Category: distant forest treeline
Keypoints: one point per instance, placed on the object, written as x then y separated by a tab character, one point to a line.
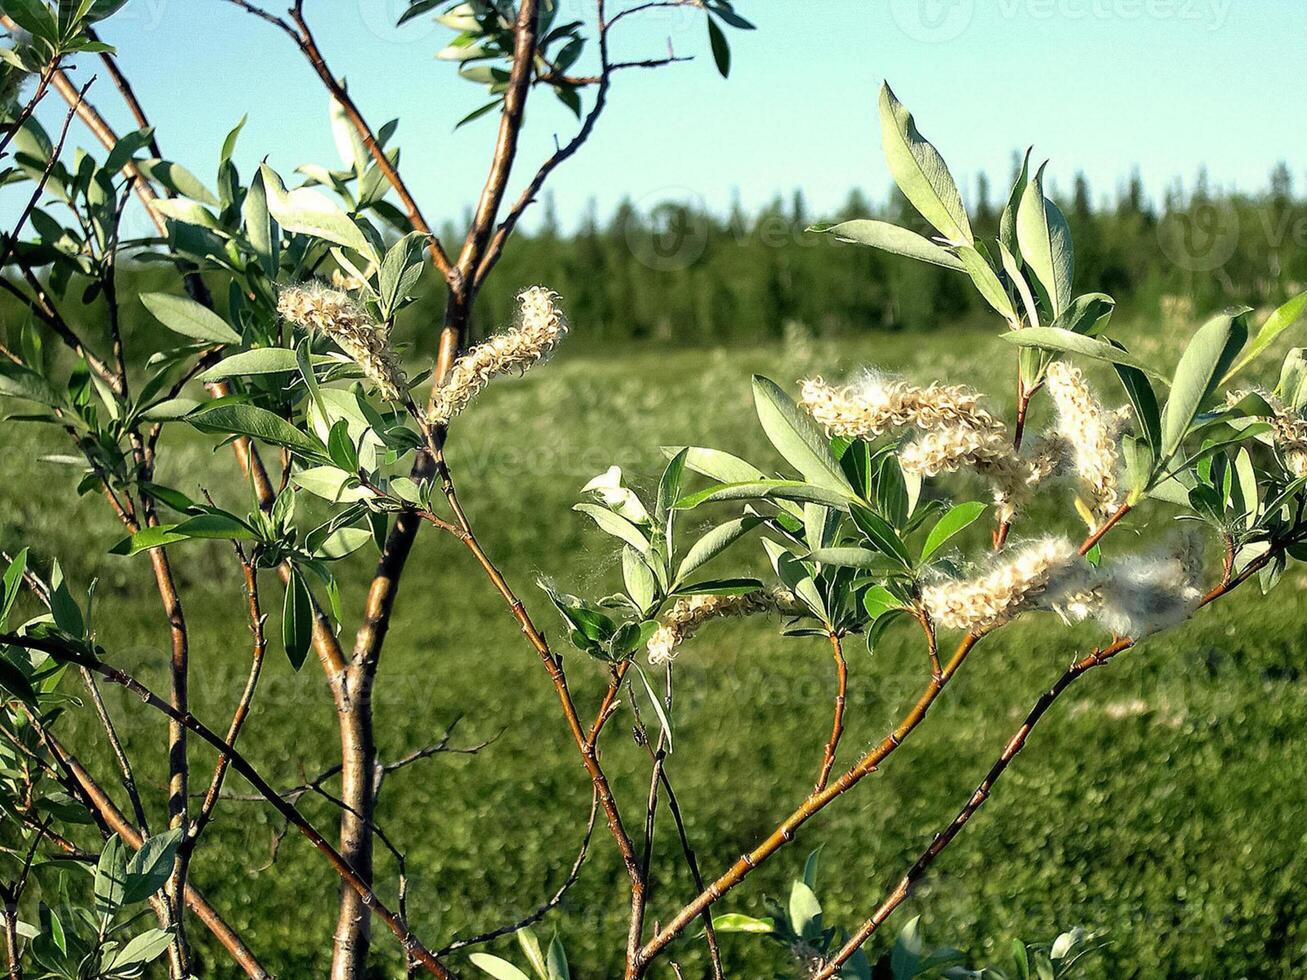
688	275
682	273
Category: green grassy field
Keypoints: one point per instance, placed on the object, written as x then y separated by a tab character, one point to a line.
1161	802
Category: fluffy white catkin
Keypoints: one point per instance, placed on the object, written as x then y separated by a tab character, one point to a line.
1090	434
332	313
872	406
1288	432
995	597
540	326
988	451
685	617
1138	595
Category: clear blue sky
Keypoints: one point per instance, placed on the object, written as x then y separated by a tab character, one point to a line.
1098	85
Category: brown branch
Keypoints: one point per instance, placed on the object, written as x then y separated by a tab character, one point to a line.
117	823
287	810
260	647
1010	750
540	911
474	249
811	805
837	725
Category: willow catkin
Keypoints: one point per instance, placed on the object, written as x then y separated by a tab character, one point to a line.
1090	434
364	341
872	406
1140	595
988	451
688	614
540	326
997	596
1288	431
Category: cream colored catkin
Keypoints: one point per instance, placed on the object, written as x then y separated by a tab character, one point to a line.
1139	595
988	451
872	406
1014	584
364	340
540	326
1288	431
688	614
1090	433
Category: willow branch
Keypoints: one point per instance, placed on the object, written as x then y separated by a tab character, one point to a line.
1014	745
92	661
837	724
541	910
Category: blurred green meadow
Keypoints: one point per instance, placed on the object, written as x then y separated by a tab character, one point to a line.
1161	803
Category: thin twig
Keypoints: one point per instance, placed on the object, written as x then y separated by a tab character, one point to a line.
550	903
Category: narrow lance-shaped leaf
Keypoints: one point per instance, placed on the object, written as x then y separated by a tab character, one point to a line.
1278	322
796	436
297	620
890	238
1204	362
188	318
920	171
1057	339
1045	242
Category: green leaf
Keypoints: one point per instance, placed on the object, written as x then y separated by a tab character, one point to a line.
796	436
67	615
656	703
297	620
739	922
847	557
138	951
882	535
987	283
795	575
342	542
805	911
260	229
669	486
1007	226
150	537
957	519
1045	242
920	171
618	527
891	238
720	586
188	318
879	600
128	145
1144	402
1057	339
638	578
535	956
177	179
149	867
778	490
716	465
496	967
721	49
1278	322
110	878
305	211
12	584
714	542
261	360
257	423
1204	362
1085	313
